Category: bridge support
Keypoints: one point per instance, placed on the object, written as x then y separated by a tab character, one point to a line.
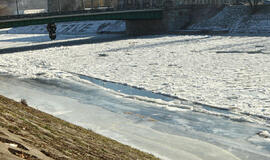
144	27
172	20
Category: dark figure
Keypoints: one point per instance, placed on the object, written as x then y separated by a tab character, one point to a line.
51	27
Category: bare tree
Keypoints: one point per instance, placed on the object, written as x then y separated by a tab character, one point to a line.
253	3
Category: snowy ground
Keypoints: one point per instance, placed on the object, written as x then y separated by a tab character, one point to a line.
230	72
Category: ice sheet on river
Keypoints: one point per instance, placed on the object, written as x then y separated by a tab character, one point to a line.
167	134
230	72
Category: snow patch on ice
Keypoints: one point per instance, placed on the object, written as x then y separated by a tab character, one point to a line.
264	134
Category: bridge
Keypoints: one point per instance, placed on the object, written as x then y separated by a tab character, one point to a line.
46	18
141	16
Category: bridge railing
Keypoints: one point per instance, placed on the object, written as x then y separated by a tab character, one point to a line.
21	7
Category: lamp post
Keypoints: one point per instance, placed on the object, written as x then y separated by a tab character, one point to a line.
17	7
59	6
83	4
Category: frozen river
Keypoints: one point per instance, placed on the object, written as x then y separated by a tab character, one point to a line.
226	72
195	97
151	127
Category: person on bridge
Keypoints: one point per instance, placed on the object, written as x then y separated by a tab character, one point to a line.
51	27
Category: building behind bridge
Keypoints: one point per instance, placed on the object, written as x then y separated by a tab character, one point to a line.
11	7
7	7
65	5
69	5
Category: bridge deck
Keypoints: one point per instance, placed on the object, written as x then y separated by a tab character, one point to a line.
45	18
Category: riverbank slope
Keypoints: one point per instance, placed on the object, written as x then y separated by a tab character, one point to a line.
26	133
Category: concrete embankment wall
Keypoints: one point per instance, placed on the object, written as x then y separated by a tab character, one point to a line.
225	19
237	19
258	22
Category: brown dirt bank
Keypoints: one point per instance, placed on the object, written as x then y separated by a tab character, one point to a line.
27	133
